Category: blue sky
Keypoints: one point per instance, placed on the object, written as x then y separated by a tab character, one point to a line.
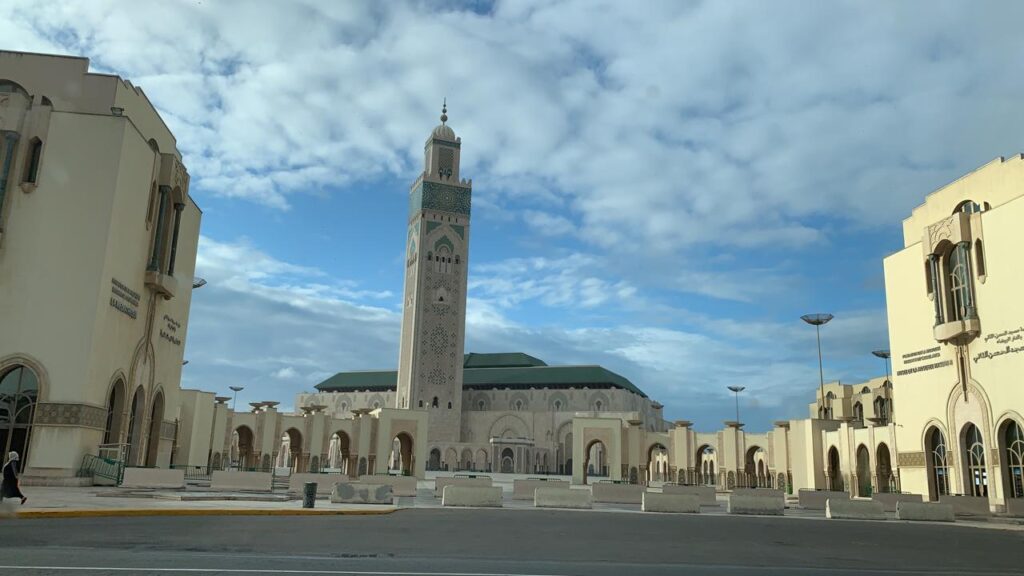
662	188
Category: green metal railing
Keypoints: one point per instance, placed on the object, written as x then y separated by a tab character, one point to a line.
103	467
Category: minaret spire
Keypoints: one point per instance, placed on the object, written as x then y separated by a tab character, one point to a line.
444	111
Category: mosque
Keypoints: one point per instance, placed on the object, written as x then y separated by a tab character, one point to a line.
93	188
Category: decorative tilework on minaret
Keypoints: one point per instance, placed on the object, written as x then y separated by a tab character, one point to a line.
436	266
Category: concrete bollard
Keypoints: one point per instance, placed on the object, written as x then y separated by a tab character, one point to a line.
618	493
524	489
358	493
673	503
925	512
846	509
747	503
557	497
309	495
441	481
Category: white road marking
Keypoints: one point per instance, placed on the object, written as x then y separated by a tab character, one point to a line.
258	571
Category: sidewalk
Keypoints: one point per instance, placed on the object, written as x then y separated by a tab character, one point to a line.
104	501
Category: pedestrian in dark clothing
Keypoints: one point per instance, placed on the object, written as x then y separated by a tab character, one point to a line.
10	488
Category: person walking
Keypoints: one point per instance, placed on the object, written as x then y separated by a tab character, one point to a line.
10	488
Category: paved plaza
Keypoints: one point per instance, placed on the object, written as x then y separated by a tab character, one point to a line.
511	542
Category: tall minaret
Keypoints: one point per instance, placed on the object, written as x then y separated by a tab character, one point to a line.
436	265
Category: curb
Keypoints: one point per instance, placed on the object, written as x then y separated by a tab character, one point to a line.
142	512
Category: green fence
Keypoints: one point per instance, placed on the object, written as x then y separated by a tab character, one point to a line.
103	467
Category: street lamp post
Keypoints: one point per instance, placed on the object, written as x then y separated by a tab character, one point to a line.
884	355
817	320
737	390
236	390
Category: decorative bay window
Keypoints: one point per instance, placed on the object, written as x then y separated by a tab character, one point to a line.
949	279
170	203
959	293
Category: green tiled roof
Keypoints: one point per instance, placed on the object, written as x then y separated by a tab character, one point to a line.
503	360
489	371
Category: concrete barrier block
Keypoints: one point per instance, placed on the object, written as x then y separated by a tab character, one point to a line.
358	493
153	478
815	499
559	497
760	492
967	505
480	496
442	481
890	500
676	503
324	482
756	505
846	509
924	511
618	493
706	494
242	481
400	485
524	489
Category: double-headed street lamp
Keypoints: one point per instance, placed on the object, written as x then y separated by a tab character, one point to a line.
236	390
817	320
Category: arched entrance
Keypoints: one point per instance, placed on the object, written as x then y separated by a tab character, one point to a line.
937	460
835	473
750	476
434	462
466	462
19	392
976	473
134	423
883	470
508	461
657	462
706	461
1012	449
156	419
244	445
594	464
115	413
481	461
863	471
403	459
340	452
296	459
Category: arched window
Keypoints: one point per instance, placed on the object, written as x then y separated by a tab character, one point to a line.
480	405
938	464
979	258
449	405
1013	442
558	405
19	392
858	411
376	405
598	406
35	152
865	390
421	403
433	404
959	304
519	405
974	457
456	259
882	410
968	207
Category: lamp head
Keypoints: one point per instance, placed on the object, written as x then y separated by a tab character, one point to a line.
737	389
882	353
237	388
816	319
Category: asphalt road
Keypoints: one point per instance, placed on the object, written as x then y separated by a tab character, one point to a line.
508	542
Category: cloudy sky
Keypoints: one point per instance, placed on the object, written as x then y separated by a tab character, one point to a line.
662	188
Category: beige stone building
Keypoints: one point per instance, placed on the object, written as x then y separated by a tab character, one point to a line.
98	241
956	328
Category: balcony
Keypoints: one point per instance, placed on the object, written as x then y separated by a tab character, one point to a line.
957	331
162	284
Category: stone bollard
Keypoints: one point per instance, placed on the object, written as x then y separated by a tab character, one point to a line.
309	494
